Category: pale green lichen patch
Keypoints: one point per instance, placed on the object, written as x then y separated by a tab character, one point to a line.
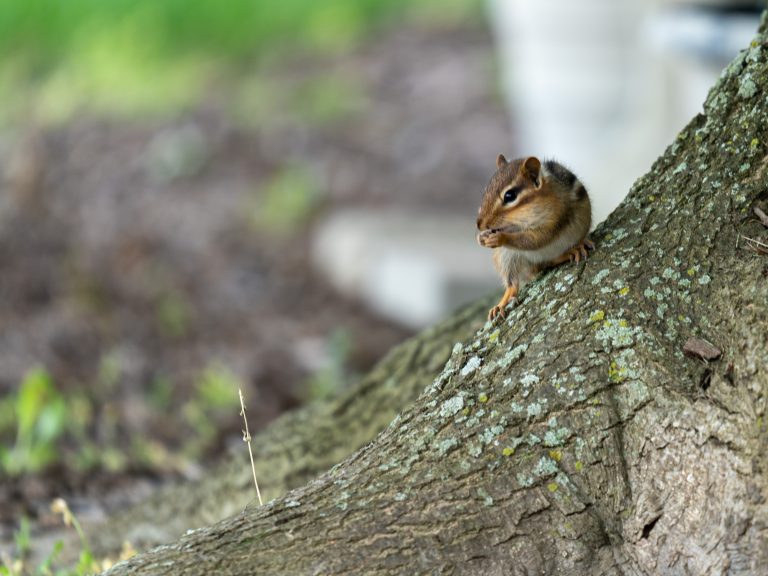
575	372
624	366
529	380
545	467
490	434
400	496
475	449
747	87
556	437
513	355
617	333
616	373
682	167
552	422
446	445
600	276
451	406
487	500
524	480
617	235
532	440
596	316
636	393
471	365
534	409
670	274
704	279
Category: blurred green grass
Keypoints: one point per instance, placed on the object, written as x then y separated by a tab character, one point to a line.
150	56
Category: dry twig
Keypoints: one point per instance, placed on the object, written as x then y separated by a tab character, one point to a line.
247	440
756	245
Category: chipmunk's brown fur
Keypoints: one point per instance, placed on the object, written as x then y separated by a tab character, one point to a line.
534	216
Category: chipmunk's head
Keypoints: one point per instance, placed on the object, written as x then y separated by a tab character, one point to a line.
509	200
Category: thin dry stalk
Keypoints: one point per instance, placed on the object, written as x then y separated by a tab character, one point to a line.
756	245
247	440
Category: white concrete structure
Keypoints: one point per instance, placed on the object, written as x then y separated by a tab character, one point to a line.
412	268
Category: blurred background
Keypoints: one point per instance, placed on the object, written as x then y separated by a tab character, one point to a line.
198	195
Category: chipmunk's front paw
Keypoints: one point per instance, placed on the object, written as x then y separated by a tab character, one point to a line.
489	238
500	310
580	251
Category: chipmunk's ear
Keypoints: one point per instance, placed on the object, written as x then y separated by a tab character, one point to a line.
500	161
531	169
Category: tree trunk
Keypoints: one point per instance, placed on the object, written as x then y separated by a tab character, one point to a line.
575	437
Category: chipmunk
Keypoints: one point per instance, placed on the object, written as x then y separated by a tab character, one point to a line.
534	215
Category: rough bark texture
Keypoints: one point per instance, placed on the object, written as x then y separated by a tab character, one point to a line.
575	437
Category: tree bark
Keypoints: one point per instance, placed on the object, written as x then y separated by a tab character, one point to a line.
575	437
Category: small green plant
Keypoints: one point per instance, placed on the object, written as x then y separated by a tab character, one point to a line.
172	314
333	377
215	393
155	57
285	202
19	565
40	417
86	563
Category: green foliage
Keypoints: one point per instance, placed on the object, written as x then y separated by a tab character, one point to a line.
23	537
43	421
46	30
172	314
333	377
285	202
217	388
19	566
40	417
154	56
215	398
51	427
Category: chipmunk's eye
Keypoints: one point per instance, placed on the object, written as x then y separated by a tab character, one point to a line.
511	195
